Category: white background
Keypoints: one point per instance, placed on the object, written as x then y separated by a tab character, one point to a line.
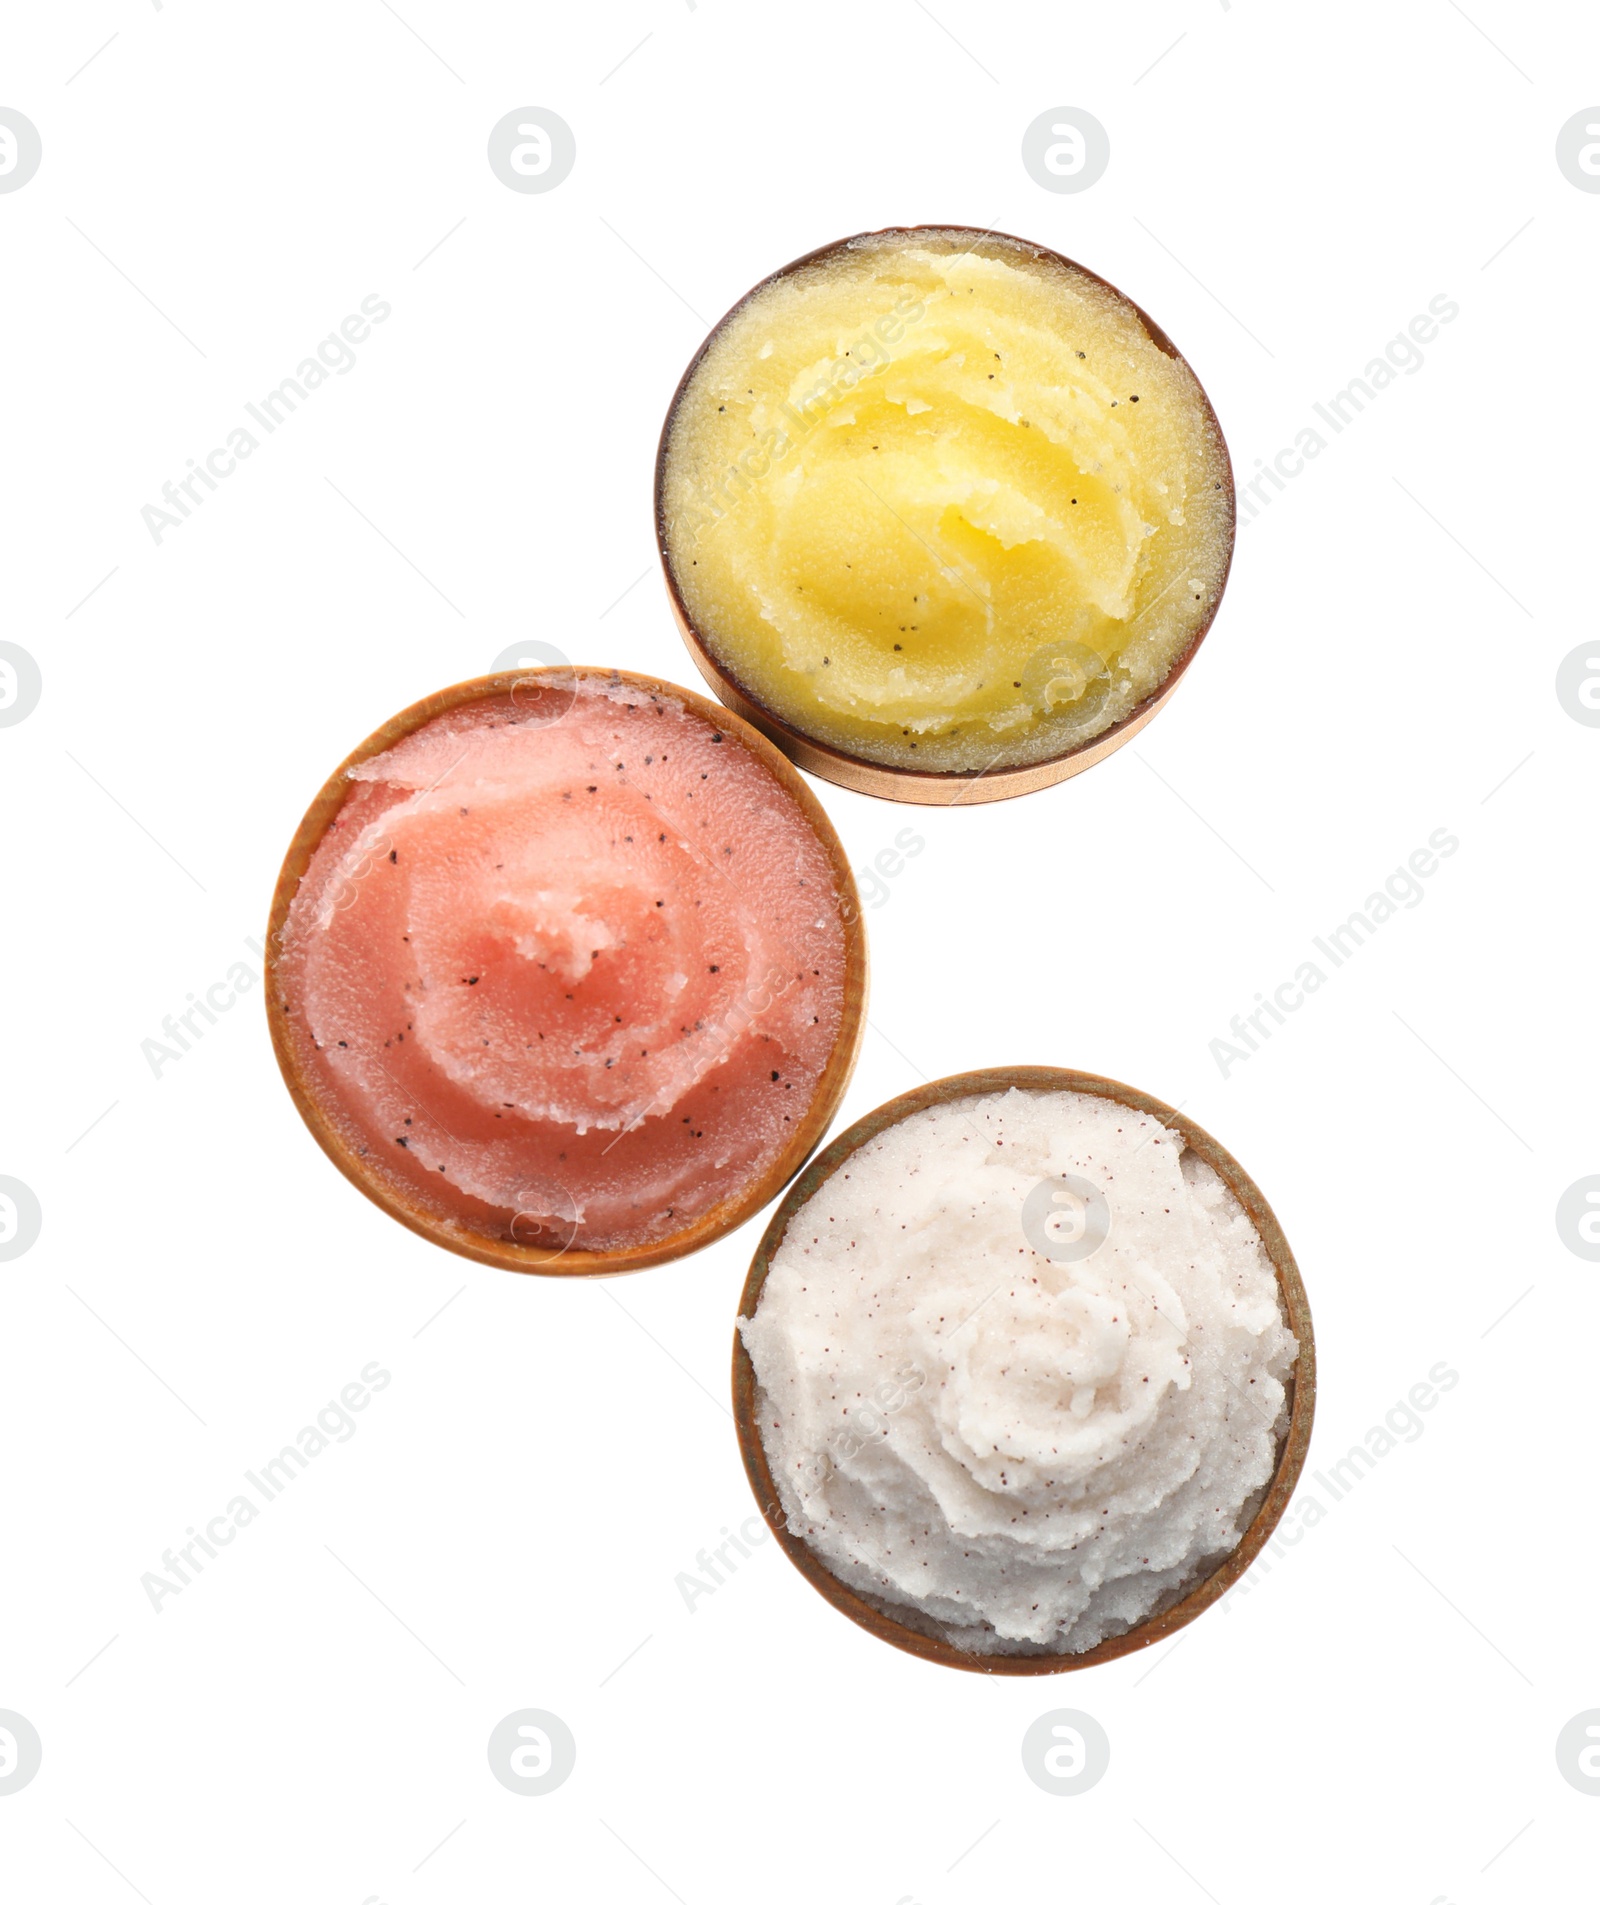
1377	1715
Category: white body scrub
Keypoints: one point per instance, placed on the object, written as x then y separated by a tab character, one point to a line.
993	1434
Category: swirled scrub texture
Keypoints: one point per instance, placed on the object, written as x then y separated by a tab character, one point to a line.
567	967
939	501
1024	1449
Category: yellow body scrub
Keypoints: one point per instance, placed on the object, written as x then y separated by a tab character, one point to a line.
943	502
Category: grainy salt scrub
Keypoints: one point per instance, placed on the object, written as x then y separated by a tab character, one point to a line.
941	501
986	1440
567	967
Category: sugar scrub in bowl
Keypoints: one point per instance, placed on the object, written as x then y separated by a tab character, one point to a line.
1024	1371
566	970
945	514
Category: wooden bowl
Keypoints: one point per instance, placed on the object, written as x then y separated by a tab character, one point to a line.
1300	1386
914	785
507	1253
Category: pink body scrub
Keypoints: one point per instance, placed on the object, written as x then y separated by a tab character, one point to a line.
568	967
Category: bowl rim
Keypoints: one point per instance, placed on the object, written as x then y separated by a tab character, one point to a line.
506	1253
884	780
1300	1386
